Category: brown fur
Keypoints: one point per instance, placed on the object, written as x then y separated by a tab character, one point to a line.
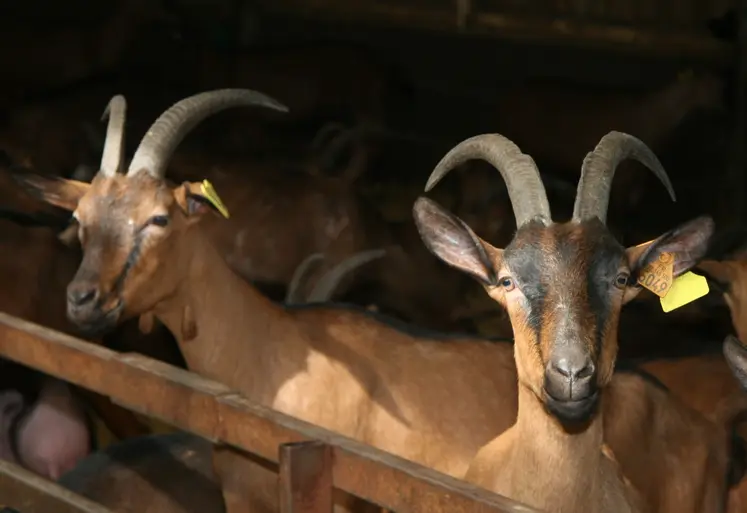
579	476
380	385
34	270
707	384
563	286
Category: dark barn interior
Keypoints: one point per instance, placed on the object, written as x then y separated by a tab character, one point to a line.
377	92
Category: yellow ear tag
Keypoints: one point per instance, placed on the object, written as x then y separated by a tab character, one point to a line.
685	289
209	192
657	276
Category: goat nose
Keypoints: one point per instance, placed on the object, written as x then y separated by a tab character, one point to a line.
80	295
574	368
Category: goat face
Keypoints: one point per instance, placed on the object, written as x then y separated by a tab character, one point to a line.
560	284
129	228
563	285
133	227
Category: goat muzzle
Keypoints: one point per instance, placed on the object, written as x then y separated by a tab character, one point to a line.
570	387
87	310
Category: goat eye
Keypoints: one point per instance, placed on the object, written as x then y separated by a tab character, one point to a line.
507	283
159	221
622	280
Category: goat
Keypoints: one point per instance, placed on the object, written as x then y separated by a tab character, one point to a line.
126	476
33	265
276	220
345	369
717	395
563	286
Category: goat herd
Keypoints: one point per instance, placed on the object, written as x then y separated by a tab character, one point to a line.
546	420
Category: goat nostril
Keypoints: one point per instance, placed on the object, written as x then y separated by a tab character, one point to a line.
573	370
80	297
586	372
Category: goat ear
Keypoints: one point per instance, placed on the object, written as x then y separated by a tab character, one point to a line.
193	201
451	240
60	192
736	357
687	243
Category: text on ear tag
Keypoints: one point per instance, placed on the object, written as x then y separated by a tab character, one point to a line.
209	193
658	276
685	289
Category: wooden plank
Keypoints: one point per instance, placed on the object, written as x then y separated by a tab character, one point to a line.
212	410
305	478
625	38
29	493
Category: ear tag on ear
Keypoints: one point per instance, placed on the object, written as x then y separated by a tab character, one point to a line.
685	289
209	192
658	276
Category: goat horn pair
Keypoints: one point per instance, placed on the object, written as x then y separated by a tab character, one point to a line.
598	171
523	182
165	134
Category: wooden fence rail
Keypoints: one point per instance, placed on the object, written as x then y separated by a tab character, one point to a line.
308	470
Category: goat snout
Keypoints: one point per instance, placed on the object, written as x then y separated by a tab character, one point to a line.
570	386
81	294
86	309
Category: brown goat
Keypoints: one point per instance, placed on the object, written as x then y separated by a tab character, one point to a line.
717	395
32	266
342	368
563	286
128	476
279	216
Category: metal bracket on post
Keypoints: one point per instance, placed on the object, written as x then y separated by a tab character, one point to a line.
305	484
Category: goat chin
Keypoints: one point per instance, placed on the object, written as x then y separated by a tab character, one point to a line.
573	412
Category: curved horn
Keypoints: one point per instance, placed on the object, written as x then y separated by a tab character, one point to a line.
112	158
165	134
523	182
327	284
293	294
598	170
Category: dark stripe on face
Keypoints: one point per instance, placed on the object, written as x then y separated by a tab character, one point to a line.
132	259
525	257
606	257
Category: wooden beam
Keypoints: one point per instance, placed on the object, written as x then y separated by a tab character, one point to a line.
212	410
651	41
28	493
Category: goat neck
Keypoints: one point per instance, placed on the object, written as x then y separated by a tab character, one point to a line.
195	314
